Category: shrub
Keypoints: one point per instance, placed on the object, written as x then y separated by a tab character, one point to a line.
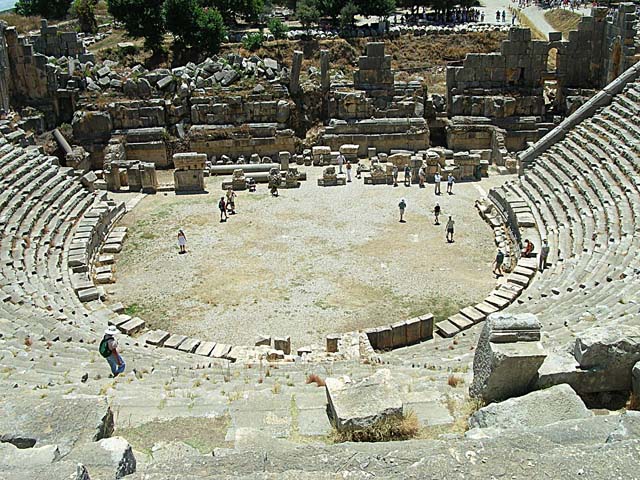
390	429
454	381
211	30
141	19
277	28
348	15
307	12
253	41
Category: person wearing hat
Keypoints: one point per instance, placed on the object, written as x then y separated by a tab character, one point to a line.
109	350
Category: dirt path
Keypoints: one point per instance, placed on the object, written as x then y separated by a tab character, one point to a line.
311	262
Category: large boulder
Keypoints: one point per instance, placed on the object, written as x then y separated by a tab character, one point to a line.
535	409
507	357
91	127
360	405
609	354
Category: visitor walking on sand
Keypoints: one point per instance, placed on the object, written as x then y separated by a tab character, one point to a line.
222	205
422	176
450	181
182	241
109	350
348	167
395	175
402	206
340	162
544	254
437	178
407	176
436	213
450	225
497	269
231	201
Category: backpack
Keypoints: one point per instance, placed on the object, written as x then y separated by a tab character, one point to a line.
104	347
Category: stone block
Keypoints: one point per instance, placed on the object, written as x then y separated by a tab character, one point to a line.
357	406
132	326
205	348
174	341
220	350
399	334
385	338
413	331
189	345
188	181
157	337
611	353
426	327
536	409
282	343
502	370
263	340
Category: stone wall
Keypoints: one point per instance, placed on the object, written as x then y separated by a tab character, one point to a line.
4	70
236	110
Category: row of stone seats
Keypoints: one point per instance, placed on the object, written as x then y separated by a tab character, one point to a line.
585	195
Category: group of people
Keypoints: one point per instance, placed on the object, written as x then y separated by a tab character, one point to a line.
437	210
528	251
342	162
422	179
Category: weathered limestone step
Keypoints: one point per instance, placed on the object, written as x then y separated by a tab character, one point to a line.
460	321
497	301
189	345
132	326
205	349
220	350
473	314
174	341
486	308
157	337
518	279
446	329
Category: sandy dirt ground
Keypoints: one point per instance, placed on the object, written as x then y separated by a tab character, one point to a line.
311	262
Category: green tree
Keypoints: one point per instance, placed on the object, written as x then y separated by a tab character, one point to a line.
211	30
348	15
277	28
141	19
381	8
44	8
230	9
307	12
181	19
85	11
330	8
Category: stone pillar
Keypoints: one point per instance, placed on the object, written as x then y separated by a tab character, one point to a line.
324	70
296	67
149	177
284	160
189	176
134	178
4	70
112	177
508	356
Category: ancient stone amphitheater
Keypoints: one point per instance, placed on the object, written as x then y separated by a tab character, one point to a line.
554	354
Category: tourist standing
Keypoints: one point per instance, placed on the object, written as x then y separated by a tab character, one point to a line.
182	241
340	162
436	213
222	205
231	201
422	176
348	167
436	180
497	270
395	175
407	176
450	225
402	206
109	350
450	181
359	171
544	254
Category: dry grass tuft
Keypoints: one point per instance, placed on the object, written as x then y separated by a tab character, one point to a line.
454	381
317	379
28	341
22	24
634	402
403	428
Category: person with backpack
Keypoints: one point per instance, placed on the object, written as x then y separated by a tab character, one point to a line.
497	270
222	205
402	205
109	350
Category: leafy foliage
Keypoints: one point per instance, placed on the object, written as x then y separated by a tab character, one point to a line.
229	9
45	8
253	41
348	15
85	11
277	28
307	12
141	18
